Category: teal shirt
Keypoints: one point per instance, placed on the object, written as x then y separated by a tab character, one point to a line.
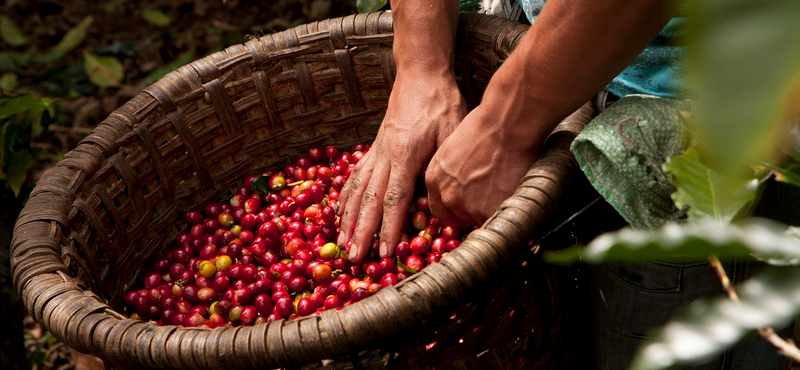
658	70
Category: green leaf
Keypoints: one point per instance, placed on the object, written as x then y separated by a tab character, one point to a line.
17	169
708	327
404	267
156	17
689	242
103	71
71	40
16	61
11	33
706	193
21	104
366	6
744	65
8	81
260	184
4	146
184	58
789	175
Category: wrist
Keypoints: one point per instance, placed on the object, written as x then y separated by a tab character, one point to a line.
423	63
520	116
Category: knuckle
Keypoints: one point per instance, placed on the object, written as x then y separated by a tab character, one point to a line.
370	197
355	182
394	196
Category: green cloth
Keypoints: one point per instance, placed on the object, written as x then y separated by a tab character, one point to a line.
622	151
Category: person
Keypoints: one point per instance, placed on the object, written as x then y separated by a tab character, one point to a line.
475	160
572	51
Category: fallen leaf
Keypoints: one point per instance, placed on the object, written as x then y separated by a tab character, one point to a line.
104	71
11	33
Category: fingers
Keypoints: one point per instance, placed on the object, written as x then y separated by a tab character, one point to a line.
398	196
446	215
369	215
351	194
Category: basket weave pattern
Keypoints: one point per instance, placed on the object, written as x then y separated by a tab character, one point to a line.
113	205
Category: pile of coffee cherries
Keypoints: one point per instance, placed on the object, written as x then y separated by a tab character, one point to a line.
268	253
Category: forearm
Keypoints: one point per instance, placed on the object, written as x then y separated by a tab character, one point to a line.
424	36
573	50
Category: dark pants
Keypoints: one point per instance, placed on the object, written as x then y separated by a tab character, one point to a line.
627	301
622	303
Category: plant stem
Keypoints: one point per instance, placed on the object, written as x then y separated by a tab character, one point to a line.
723	278
786	348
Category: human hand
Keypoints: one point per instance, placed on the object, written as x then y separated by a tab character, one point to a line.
421	113
467	182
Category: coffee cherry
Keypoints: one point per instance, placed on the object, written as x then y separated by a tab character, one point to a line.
284	307
221	283
331	302
419	245
207	269
206	295
263	304
131	297
433	258
322	274
439	246
402	250
305	307
235	313
452	244
387	265
415	262
194	217
153	280
389	279
193	320
248	315
298	284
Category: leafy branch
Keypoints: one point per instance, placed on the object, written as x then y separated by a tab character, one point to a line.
742	117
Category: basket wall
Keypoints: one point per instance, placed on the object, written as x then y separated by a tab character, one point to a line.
114	204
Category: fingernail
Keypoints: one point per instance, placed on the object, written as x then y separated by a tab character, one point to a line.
384	249
341	239
353	251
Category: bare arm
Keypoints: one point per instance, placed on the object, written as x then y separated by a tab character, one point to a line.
424	108
572	51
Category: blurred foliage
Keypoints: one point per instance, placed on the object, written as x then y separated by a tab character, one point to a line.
366	6
745	73
23	118
10	32
70	41
103	71
706	193
744	60
470	5
156	17
66	65
707	326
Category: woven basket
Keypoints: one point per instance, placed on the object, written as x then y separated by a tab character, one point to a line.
104	214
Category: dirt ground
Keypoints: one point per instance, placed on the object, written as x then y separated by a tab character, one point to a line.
148	38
